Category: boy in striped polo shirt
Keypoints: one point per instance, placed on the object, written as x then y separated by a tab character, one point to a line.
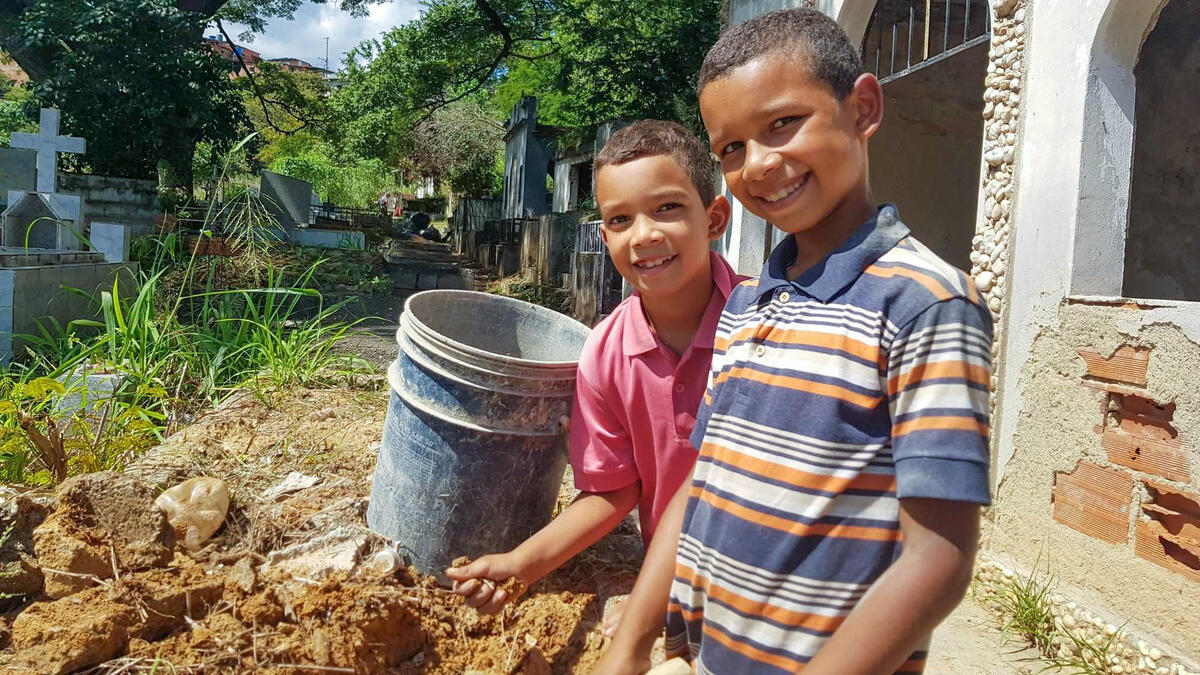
832	518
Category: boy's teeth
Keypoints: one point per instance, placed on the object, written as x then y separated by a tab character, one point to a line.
656	263
776	196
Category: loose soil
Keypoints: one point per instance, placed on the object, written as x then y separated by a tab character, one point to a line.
219	609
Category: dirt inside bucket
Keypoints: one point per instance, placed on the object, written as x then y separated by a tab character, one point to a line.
242	603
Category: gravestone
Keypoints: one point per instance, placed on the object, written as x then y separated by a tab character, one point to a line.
54	218
289	199
41	250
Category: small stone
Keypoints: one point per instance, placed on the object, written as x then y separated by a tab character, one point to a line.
1155	654
994	305
984	281
1110	629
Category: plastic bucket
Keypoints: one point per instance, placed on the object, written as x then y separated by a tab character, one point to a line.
474	445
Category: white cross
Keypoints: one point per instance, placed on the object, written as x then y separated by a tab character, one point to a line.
48	144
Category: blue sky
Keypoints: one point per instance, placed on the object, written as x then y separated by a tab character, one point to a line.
304	36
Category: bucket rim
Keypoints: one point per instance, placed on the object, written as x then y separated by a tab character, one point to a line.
406	332
475	351
393	376
424	362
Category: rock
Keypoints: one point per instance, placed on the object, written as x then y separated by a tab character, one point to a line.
69	563
984	281
322	415
333	552
19	570
293	482
99	516
345	511
242	575
89	628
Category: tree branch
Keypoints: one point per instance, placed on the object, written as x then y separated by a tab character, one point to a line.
258	94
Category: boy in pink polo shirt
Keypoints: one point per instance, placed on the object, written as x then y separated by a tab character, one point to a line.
643	369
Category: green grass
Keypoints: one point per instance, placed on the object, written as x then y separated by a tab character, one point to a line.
180	342
1027	610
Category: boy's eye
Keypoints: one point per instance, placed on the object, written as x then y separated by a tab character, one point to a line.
668	206
618	220
782	122
731	148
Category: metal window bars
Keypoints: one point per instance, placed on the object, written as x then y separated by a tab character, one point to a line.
902	36
588	239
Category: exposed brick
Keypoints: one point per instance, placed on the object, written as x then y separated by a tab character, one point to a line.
1168	533
1161	458
1095	501
1127	364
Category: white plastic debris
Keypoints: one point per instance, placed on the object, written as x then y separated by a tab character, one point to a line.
293	482
196	508
383	563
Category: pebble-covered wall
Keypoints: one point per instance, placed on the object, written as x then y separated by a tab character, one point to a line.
1001	113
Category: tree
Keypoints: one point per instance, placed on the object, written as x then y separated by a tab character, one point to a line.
632	60
459	144
39	63
124	83
177	74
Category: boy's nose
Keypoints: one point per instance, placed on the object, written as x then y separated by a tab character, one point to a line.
646	232
760	161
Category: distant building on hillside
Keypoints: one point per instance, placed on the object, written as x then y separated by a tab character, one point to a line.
10	69
223	49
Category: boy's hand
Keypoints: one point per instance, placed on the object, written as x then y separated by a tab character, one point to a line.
477	581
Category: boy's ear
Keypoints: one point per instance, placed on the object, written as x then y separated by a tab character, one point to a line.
867	100
718	217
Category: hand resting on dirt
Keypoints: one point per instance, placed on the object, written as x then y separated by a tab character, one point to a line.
591	516
480	581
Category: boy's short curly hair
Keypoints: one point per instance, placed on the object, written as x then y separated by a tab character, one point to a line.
805	35
647	138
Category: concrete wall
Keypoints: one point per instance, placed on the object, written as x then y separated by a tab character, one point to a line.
1097	397
313	236
527	162
926	155
30	294
128	201
1164	241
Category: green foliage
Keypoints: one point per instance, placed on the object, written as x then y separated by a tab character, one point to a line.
16	110
127	78
1026	606
346	182
618	60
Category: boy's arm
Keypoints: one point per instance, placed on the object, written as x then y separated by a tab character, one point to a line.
591	516
913	596
645	612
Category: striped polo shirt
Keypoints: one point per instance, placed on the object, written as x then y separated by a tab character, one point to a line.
831	397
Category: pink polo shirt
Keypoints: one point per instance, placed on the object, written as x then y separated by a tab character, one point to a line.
636	403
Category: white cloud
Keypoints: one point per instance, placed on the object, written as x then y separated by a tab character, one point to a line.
304	36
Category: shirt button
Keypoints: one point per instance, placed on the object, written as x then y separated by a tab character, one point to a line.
680	387
784	297
760	350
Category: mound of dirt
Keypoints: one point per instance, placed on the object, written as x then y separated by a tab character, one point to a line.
244	603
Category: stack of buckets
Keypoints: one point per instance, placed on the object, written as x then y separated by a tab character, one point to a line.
475	442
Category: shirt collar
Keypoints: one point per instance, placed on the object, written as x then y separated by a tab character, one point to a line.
639	336
840	268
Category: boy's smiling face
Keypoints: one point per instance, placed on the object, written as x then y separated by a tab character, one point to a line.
790	151
656	227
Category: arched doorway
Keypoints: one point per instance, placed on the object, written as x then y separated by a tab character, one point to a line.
931	57
1163	240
